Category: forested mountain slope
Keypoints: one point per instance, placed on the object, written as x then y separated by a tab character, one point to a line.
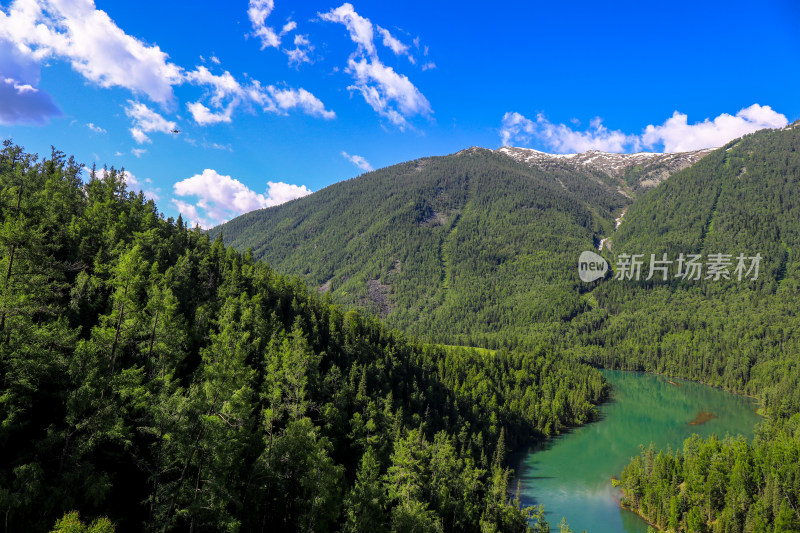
158	378
743	336
473	248
523	241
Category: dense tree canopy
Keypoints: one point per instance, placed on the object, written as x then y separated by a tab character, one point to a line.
169	383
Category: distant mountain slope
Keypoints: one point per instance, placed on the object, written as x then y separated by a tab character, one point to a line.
743	198
743	336
473	248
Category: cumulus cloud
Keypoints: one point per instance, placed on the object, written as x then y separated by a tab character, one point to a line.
93	44
677	135
560	138
191	214
204	116
360	28
226	93
674	135
390	94
279	193
287	99
145	121
33	32
257	12
358	161
220	198
387	92
23	103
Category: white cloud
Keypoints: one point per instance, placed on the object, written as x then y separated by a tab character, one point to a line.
225	88
145	121
204	116
279	192
301	53
95	128
358	161
138	152
392	42
677	135
561	138
360	28
390	94
22	103
191	214
93	44
674	135
257	12
223	197
35	31
221	86
287	99
217	146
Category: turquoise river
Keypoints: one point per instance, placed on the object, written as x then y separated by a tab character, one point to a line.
571	474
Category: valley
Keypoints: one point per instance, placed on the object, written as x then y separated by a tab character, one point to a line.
389	348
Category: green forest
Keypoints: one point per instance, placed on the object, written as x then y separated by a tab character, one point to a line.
472	248
506	277
740	337
365	358
154	379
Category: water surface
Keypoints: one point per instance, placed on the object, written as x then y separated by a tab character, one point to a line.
571	474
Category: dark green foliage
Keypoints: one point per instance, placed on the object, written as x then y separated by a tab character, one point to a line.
743	337
169	383
721	486
472	248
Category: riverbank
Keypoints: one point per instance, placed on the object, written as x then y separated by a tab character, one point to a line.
630	508
570	474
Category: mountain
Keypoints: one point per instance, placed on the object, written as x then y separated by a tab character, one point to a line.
744	336
634	172
474	248
479	248
168	383
743	198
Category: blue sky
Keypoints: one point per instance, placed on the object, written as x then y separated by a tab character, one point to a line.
277	99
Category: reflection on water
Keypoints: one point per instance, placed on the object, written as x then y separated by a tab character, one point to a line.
571	474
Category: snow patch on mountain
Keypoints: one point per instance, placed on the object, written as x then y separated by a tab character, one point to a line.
655	167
